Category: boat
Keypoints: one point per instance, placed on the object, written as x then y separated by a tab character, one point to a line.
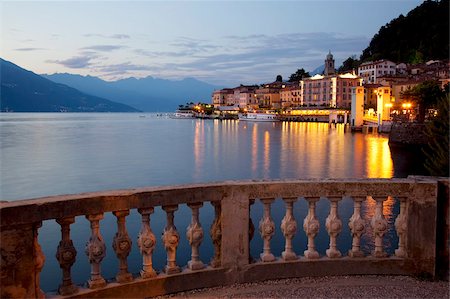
183	114
259	116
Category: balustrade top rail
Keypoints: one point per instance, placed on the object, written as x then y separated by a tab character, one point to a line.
54	207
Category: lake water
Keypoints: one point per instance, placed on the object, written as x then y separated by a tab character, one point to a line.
48	154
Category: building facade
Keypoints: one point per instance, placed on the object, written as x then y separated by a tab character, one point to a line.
370	71
329	91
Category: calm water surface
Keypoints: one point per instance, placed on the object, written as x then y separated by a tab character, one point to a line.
49	154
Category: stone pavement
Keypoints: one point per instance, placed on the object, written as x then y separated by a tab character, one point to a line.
328	287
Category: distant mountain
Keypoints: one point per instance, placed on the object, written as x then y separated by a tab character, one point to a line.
147	94
319	70
421	35
24	91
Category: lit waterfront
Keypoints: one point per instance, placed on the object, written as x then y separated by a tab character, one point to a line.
45	154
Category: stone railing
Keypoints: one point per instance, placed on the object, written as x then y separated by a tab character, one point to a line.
231	232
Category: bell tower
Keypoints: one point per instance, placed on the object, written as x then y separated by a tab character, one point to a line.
329	65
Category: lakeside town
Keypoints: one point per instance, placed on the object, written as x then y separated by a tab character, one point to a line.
386	87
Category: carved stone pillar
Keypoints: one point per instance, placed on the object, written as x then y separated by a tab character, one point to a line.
251	230
66	255
401	226
267	230
170	240
357	227
216	234
194	234
39	260
17	279
96	251
311	227
379	226
146	243
289	229
334	226
122	246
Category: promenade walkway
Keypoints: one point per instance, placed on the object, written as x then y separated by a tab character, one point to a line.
328	287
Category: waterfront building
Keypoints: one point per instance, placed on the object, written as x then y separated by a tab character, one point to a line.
370	71
329	91
245	96
291	95
223	97
268	95
370	95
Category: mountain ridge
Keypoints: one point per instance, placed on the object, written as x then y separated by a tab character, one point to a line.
24	91
147	94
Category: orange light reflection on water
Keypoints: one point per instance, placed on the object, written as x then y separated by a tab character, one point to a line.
379	162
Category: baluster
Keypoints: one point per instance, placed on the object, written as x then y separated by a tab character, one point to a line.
122	246
216	234
39	260
401	226
96	251
379	226
267	230
251	229
357	227
66	255
289	228
170	239
311	227
334	226
146	243
194	234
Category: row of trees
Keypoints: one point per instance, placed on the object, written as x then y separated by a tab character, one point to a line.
429	95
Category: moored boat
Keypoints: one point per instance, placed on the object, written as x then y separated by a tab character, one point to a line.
183	114
259	116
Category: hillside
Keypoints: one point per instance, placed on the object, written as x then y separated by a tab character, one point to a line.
421	35
24	91
147	94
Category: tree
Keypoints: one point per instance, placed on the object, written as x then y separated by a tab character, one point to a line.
437	131
350	64
279	78
300	74
425	95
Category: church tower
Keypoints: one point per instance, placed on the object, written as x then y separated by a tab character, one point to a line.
329	65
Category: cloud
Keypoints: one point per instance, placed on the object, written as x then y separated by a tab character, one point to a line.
103	48
77	62
29	49
115	36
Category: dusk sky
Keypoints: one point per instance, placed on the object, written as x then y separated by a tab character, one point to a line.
220	42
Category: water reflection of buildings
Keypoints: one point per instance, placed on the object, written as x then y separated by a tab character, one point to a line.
379	162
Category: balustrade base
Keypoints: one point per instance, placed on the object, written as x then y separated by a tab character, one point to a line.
379	254
172	270
67	290
310	254
331	253
148	274
195	265
355	254
97	283
215	263
267	257
400	253
124	277
289	256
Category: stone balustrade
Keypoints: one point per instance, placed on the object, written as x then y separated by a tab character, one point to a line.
22	259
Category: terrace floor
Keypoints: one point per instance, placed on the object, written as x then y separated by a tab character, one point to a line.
328	287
